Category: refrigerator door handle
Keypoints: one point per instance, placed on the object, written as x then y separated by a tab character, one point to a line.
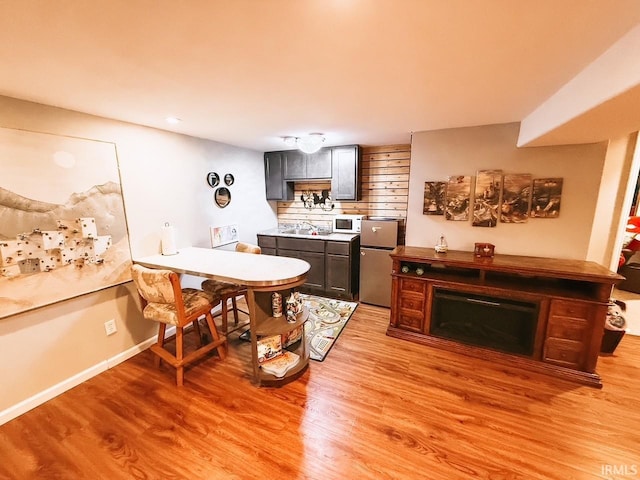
375	229
362	253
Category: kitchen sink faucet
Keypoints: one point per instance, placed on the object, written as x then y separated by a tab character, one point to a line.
301	226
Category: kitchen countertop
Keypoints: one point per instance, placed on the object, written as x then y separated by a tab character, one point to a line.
335	237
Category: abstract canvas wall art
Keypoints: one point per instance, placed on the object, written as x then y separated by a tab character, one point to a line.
63	231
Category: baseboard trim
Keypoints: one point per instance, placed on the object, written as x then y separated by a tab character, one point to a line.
132	352
51	392
39	398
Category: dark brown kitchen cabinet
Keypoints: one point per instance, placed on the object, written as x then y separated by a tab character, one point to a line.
311	251
295	165
276	187
345	173
319	164
342	267
303	166
335	265
338	273
315	276
267	244
340	165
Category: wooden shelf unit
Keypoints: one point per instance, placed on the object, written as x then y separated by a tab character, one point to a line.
263	324
570	296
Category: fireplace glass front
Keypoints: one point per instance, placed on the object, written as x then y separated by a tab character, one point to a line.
498	323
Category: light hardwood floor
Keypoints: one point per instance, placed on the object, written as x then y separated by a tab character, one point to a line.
376	408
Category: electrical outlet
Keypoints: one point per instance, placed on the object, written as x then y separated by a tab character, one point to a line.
110	327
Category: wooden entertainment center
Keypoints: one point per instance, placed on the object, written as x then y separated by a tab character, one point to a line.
541	314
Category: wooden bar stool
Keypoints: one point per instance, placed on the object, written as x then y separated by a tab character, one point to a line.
229	291
165	302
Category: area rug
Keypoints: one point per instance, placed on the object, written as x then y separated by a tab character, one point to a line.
327	318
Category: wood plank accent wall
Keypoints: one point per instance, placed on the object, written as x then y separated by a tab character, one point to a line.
385	190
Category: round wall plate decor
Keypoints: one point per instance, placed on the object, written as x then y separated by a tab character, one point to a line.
222	196
228	179
213	179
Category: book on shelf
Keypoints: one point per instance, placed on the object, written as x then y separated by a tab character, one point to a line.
281	364
269	348
292	337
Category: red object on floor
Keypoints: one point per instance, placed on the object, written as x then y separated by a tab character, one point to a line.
633	226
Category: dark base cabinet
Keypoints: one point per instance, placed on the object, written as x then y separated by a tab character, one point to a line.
541	314
267	245
335	265
338	273
315	277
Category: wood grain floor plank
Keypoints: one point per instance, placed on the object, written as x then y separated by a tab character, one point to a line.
376	408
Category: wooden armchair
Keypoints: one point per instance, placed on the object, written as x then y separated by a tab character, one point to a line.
229	291
165	302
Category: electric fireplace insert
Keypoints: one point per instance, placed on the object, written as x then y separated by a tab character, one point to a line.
502	324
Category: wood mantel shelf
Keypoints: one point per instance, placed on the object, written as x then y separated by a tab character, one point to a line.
523	265
567	301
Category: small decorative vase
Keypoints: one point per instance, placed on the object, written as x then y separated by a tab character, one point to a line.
293	307
276	304
441	246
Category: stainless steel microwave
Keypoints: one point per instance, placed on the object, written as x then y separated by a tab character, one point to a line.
348	223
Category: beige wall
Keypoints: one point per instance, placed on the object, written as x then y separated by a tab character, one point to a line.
463	151
163	179
618	183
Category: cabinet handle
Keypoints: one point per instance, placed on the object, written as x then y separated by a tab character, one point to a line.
483	302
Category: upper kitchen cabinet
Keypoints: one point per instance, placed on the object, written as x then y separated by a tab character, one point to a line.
277	188
345	174
338	164
294	166
302	166
319	164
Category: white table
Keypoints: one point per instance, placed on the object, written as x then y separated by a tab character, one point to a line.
242	268
262	275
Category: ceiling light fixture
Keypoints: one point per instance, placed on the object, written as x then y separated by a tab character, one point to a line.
289	141
308	144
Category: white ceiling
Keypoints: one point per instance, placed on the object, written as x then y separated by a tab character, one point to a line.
247	72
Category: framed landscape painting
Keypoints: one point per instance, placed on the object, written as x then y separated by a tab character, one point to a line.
545	201
64	231
516	197
487	197
458	198
434	198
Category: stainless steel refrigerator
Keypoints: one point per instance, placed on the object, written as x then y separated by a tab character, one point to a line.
377	239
